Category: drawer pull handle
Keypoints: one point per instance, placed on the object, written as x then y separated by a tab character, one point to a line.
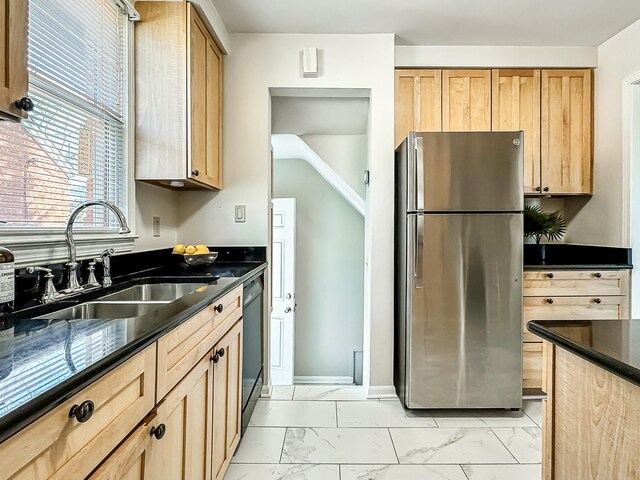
549	275
82	412
597	274
549	301
597	300
159	431
218	308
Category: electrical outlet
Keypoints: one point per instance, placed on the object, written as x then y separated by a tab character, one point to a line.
156	226
241	213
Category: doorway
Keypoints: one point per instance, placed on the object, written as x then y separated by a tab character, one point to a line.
320	156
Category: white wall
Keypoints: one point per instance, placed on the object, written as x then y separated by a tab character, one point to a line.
262	61
499	56
329	263
152	201
601	220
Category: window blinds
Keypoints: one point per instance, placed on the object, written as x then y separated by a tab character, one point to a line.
73	146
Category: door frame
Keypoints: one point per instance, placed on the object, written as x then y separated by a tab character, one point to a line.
630	88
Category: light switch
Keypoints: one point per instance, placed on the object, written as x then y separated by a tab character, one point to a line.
241	211
156	226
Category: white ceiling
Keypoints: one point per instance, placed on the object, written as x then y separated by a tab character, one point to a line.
319	116
440	22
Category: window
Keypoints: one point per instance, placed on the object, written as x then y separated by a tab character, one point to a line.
73	146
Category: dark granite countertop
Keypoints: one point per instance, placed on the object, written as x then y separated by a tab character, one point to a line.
44	363
613	345
570	256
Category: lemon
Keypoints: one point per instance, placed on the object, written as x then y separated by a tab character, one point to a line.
190	250
200	249
179	249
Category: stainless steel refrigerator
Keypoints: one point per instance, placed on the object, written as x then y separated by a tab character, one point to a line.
458	266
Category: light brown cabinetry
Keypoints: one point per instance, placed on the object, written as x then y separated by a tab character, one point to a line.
567	131
175	441
466	100
553	108
14	74
568	295
516	106
591	423
418	102
72	439
178	98
227	399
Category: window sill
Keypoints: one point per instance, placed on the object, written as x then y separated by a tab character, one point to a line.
30	250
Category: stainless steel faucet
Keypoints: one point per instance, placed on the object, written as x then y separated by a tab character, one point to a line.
74	284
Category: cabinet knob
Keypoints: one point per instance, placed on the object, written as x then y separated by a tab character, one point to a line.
546	189
159	431
597	274
221	352
597	300
195	173
25	103
538	189
215	358
549	275
287	310
549	301
218	308
82	412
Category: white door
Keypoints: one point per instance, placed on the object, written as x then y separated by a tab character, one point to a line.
283	270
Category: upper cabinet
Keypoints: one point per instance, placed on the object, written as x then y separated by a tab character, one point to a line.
516	106
466	100
14	83
567	131
178	98
553	107
418	102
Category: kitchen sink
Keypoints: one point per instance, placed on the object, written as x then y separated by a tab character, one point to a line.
153	292
103	310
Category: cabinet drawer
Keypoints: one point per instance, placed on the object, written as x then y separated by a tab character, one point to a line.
571	308
574	283
532	365
183	347
59	446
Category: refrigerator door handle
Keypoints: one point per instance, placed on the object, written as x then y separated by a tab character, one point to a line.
419	173
419	249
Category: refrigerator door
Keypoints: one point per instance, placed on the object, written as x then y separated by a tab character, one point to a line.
465	172
464	319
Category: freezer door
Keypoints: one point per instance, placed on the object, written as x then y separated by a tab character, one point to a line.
464	319
466	172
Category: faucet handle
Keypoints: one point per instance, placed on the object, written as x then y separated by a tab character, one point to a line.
48	271
50	293
92	281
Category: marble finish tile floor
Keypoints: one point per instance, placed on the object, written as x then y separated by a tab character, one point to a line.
319	432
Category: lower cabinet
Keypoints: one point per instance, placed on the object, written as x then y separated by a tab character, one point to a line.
227	399
193	432
568	295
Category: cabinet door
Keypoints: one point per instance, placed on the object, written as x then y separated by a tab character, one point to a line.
205	80
13	63
227	398
567	140
466	100
532	365
516	106
184	451
418	102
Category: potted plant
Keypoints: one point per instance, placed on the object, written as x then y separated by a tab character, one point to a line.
539	224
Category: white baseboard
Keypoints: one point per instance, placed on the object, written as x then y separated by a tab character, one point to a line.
318	380
381	391
266	391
